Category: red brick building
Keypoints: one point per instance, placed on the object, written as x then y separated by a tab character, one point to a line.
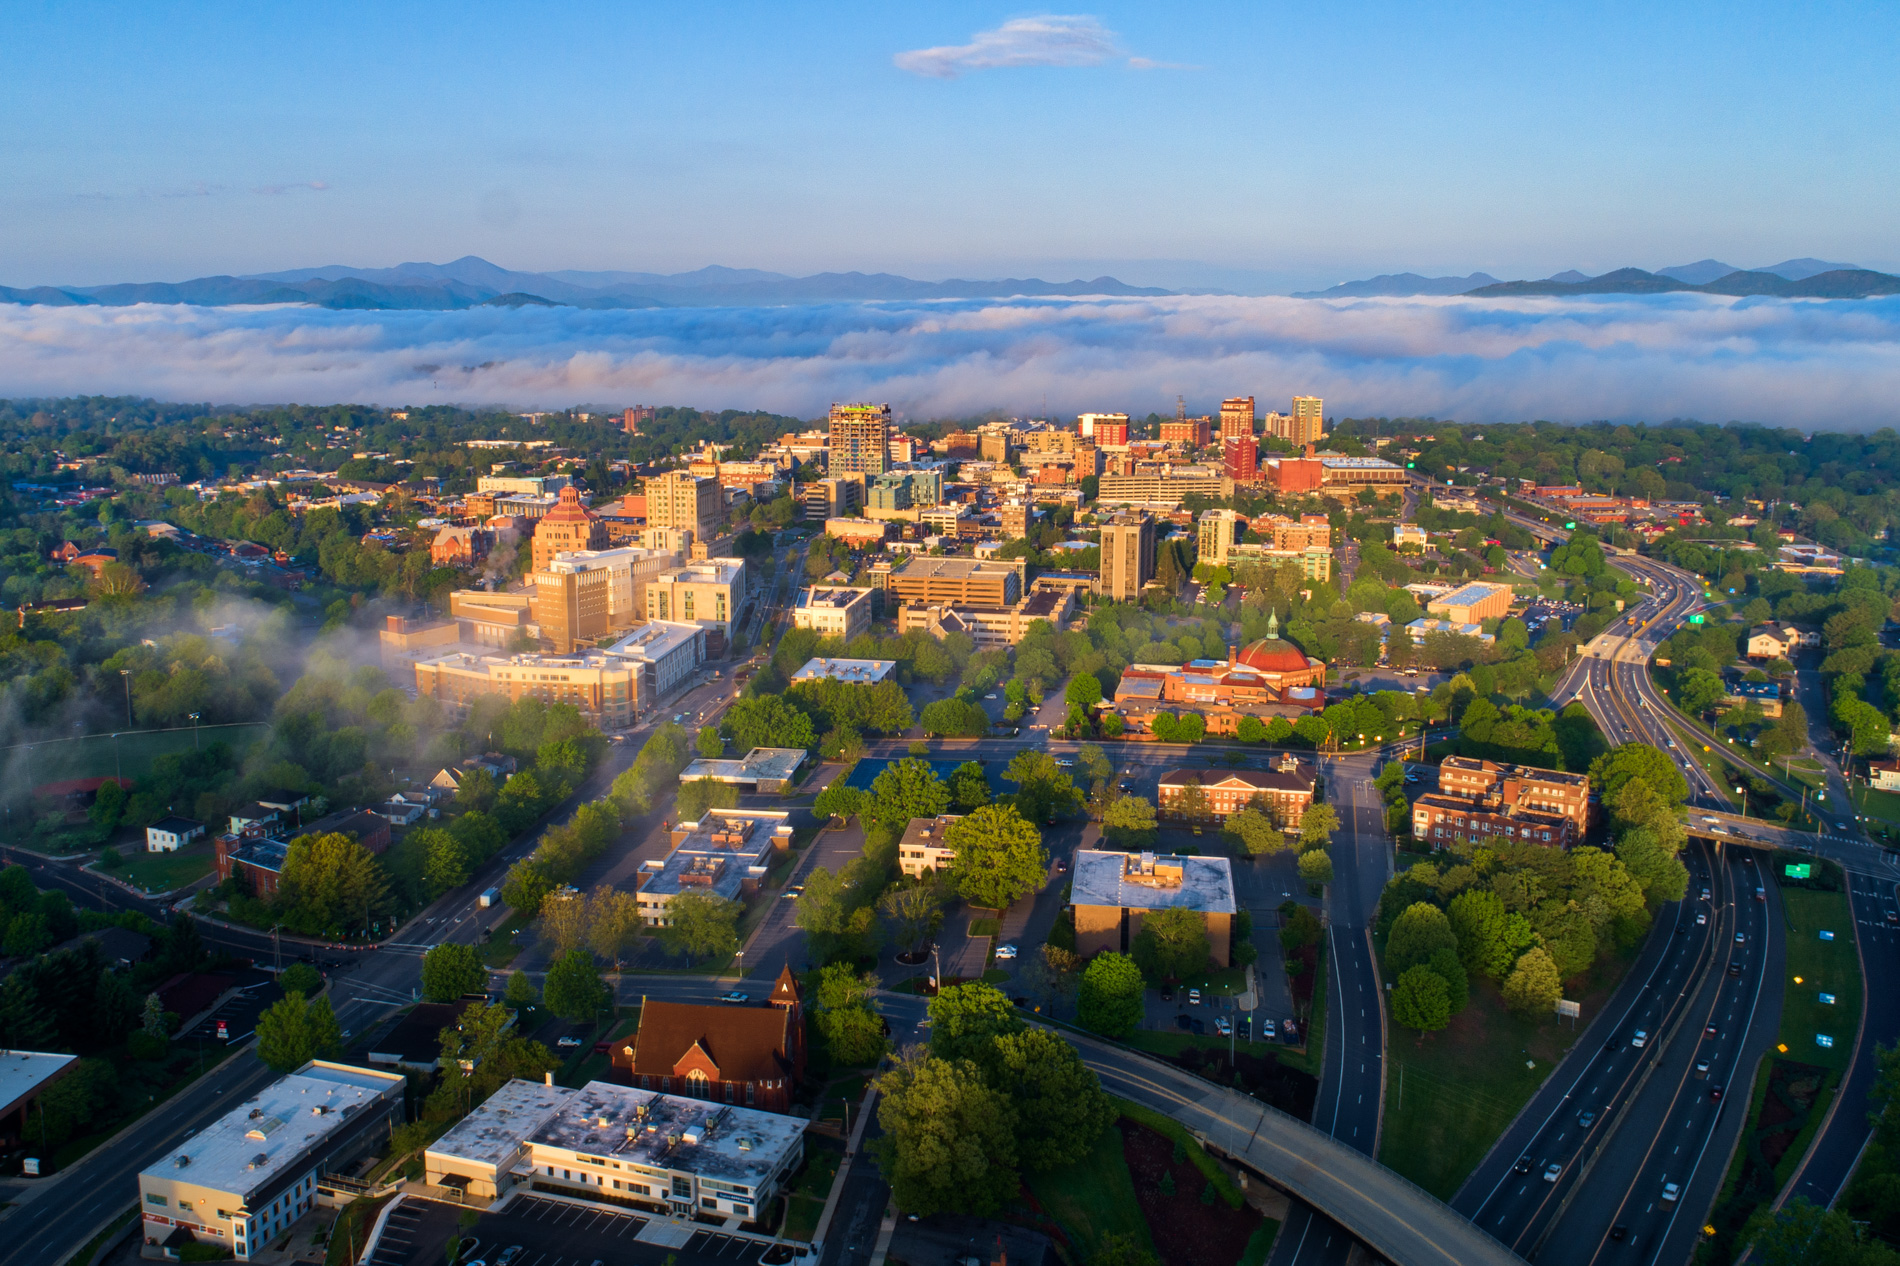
745	1055
1241	456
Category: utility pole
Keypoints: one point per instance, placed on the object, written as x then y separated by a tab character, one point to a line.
126	675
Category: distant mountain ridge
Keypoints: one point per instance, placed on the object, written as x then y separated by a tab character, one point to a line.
1803	278
474	282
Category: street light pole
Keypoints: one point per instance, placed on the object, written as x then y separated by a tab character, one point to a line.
126	674
194	731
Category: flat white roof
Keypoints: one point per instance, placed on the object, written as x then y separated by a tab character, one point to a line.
494	1132
656	639
859	670
1207	883
276	1129
23	1072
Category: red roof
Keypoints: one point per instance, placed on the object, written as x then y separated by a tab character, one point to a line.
568	508
742	1043
1272	655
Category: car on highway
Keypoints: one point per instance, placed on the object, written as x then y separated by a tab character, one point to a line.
1761	894
1715	1094
1523	1165
1552	1171
735	998
1640	1038
1670	1191
1194	997
1705	894
1701	919
1006	951
1740	938
1586	1118
1702	1068
1708	1030
1619	1233
1734	969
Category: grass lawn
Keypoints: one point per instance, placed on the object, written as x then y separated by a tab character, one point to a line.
1823	967
805	1202
504	944
588	1064
165	872
94	756
1884	805
1094	1198
351	1230
985	927
1448	1098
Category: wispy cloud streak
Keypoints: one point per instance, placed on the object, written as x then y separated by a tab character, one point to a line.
1830	364
1054	39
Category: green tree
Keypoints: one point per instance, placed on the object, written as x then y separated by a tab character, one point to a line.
1123	1250
574	989
999	856
1083	690
526	887
1480	924
521	993
702	926
480	1053
1653	865
1109	999
293	1031
1316	866
330	883
949	1142
1419	1002
1317	824
449	971
903	790
966	1020
766	721
1639	760
1129	823
837	913
1446	966
108	805
1172	944
1044	790
1061	1108
300	978
1699	690
1420	931
969	787
1256	833
1801	1233
696	797
913	912
445	863
710	745
838	801
1251	729
1534	986
852	1031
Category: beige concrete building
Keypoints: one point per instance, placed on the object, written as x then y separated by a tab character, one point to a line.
1473	603
1128	557
589	594
1161	488
612	686
923	848
833	610
1307	423
707	591
681	499
1216	533
990	626
975	582
568	526
242	1181
1113	892
1236	417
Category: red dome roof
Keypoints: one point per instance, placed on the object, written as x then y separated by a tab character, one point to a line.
1271	655
568	508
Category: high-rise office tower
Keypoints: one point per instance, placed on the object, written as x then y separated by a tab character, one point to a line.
1308	423
1236	417
1128	556
1085	424
860	438
1241	456
630	420
1217	531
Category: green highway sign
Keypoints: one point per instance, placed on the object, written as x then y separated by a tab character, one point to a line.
1799	870
1570	525
1695	619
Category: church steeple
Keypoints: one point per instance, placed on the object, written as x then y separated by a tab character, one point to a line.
1273	624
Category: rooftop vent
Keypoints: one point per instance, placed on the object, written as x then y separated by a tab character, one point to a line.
181	1160
262	1158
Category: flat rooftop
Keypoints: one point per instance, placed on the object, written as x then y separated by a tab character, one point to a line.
669	1133
1101	879
954	568
834	596
866	671
1476	591
761	764
656	639
275	1130
708	571
24	1072
493	1133
1341	462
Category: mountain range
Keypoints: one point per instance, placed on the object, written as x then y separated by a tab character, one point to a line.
1792	278
474	282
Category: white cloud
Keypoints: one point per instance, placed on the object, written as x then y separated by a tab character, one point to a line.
1050	40
1828	364
302	186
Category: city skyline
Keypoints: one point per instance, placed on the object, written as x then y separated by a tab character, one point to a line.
1244	149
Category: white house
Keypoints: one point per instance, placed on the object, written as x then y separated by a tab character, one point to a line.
168	835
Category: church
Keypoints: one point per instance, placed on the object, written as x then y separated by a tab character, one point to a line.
752	1056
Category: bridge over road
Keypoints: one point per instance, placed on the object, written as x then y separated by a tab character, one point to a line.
1398	1220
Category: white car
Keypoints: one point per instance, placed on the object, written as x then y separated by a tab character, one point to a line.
1640	1038
568	1042
1006	951
1670	1191
1553	1171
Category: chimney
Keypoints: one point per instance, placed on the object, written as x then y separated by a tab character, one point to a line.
396	623
548	1078
1233	655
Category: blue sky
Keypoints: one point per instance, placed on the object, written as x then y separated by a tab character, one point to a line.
1272	145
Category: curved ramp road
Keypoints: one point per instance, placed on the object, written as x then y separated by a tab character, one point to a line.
1399	1221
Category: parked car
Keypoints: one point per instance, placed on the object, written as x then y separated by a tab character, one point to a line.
1223	1026
1006	951
1194	997
567	1042
1266	1030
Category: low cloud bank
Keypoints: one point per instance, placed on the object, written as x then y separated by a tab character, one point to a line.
1832	364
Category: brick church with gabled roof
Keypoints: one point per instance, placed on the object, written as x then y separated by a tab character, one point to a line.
753	1056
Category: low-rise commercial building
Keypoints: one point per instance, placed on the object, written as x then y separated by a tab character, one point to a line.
1113	892
618	1145
1162	488
923	848
1480	797
975	582
707	592
725	853
833	610
858	533
241	1181
990	627
1473	603
866	672
763	769
611	685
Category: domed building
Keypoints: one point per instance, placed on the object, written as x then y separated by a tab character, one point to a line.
568	526
1281	663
